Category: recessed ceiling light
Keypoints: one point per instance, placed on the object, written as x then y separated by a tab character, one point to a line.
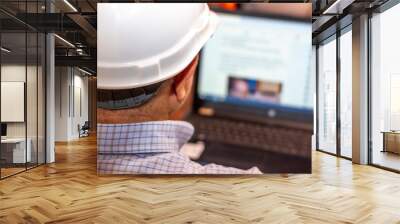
65	41
5	50
337	7
70	5
84	71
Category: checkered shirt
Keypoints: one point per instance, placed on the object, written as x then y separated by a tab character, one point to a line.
151	148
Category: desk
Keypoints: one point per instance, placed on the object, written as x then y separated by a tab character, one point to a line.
391	141
13	150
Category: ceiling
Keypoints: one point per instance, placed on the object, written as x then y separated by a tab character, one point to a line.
75	22
329	16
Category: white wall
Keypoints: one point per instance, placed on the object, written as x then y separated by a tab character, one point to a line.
62	81
13	101
12	73
70	83
80	110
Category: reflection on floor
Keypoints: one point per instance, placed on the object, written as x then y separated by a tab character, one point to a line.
69	191
10	169
346	152
387	159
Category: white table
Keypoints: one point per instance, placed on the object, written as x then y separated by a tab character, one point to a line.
19	154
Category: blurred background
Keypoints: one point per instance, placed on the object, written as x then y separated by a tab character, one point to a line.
58	74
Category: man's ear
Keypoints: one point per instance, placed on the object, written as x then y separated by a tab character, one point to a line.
184	81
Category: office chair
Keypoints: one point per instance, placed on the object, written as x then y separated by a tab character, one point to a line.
84	130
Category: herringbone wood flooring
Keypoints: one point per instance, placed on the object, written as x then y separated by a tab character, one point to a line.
69	191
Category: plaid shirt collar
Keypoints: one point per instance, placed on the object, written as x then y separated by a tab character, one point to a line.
143	138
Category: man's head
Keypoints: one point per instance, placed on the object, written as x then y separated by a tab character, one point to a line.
147	58
170	96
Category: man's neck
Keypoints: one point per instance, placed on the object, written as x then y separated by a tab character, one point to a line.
127	116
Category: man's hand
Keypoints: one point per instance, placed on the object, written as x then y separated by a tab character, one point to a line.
193	150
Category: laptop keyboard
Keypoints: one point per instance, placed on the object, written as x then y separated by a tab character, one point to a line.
253	135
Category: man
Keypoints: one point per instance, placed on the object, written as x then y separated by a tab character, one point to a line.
147	58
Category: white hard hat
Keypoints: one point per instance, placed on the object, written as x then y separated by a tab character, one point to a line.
144	43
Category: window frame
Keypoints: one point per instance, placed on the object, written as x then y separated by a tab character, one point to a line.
334	37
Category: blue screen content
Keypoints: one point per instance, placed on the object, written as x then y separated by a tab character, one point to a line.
260	62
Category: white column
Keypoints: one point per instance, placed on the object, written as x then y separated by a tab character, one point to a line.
50	98
360	90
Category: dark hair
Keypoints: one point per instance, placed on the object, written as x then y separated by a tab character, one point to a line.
126	98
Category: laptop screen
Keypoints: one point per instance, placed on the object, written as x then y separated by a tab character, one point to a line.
262	62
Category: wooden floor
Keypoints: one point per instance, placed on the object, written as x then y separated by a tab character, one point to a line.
69	191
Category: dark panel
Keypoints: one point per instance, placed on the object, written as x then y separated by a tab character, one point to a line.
78	61
49	22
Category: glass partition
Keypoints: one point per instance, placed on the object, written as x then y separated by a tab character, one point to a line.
41	97
346	93
22	88
31	98
13	95
385	89
327	96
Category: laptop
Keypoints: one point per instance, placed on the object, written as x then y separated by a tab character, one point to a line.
253	101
